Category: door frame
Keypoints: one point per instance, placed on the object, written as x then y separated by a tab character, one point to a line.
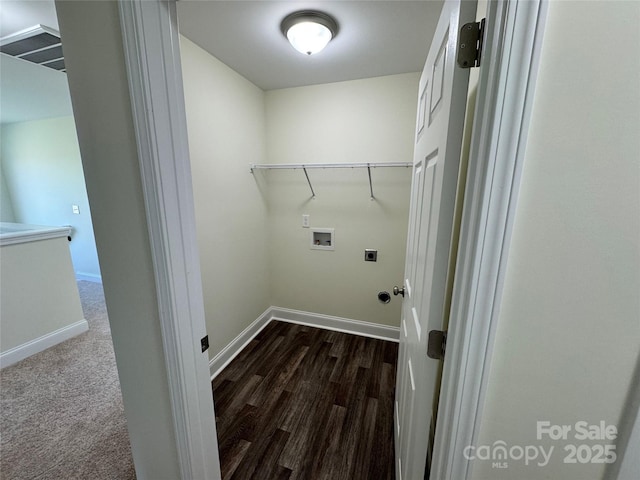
505	97
504	103
151	45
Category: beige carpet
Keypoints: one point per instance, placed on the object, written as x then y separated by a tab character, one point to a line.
61	414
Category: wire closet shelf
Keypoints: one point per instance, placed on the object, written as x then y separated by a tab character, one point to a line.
308	166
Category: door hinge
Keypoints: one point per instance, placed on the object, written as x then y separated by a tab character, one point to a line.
436	344
204	343
470	44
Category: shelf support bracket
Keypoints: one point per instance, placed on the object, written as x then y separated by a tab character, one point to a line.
313	194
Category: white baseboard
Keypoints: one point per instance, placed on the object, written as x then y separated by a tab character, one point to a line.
89	277
328	322
228	353
339	324
39	344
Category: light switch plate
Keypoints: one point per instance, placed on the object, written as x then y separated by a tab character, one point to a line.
75	209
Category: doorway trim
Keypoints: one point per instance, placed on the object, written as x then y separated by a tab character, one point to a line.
152	56
505	97
504	103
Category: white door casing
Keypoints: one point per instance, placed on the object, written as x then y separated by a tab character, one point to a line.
151	47
440	122
514	33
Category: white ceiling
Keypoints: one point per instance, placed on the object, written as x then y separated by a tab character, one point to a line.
16	15
376	37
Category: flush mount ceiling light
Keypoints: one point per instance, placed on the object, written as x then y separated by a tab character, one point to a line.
309	31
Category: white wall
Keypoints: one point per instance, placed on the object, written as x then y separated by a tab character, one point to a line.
38	290
568	334
6	208
370	120
43	170
28	91
226	127
253	250
101	103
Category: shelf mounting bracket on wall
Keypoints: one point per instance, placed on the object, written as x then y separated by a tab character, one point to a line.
305	166
313	194
370	184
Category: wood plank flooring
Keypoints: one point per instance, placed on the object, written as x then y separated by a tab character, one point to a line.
307	404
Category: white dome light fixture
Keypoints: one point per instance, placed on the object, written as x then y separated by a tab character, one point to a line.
309	31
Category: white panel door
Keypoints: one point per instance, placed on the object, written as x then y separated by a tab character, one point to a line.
441	109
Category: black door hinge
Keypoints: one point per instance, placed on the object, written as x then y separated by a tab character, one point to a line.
204	343
436	344
470	44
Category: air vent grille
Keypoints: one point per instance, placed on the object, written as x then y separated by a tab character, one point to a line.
37	44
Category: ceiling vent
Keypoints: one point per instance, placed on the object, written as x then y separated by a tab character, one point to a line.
37	44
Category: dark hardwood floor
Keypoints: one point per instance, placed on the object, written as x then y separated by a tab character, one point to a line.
308	404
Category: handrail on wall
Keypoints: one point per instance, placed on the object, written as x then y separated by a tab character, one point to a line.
305	166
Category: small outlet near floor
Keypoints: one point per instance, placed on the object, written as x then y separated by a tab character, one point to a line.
370	255
305	221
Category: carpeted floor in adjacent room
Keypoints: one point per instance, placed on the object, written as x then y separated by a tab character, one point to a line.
61	414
